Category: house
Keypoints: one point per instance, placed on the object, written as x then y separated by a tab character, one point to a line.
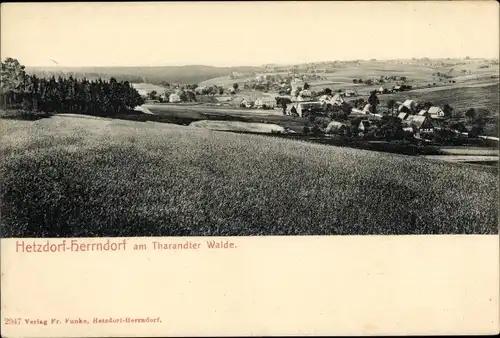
423	112
363	126
199	90
436	112
397	89
381	90
350	93
231	90
325	98
337	100
165	97
422	124
403	116
303	107
296	84
305	93
265	102
335	127
409	104
407	123
246	102
367	109
174	98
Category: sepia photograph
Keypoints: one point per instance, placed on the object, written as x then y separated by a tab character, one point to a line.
135	120
252	168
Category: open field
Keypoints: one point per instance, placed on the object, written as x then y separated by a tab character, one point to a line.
419	73
266	128
192	113
460	98
66	176
465	158
472	151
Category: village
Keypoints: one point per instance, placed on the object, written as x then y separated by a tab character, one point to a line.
345	114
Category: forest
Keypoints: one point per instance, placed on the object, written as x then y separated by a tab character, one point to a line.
20	90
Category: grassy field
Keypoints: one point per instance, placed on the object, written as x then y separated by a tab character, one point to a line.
67	176
418	72
192	113
460	98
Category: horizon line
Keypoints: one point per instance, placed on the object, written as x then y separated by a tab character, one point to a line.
59	65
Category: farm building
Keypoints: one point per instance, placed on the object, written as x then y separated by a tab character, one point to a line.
436	111
363	126
403	116
174	98
295	84
367	109
165	97
336	100
381	90
335	127
246	102
303	107
423	112
305	93
410	104
199	90
265	102
325	98
420	123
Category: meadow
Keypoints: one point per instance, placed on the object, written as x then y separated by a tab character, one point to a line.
460	98
84	177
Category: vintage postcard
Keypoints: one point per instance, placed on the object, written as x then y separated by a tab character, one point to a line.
249	168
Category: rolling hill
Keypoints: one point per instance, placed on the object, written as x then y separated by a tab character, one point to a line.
87	177
153	75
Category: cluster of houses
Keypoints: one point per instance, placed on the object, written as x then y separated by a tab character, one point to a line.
394	89
264	102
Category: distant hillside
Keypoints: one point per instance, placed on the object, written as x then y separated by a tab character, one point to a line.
154	75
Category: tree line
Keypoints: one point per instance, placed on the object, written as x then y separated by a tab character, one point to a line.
64	95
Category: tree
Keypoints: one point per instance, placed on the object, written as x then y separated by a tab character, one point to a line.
13	81
354	80
373	101
221	90
183	96
470	113
235	86
327	91
390	128
65	94
391	104
447	110
152	95
306	86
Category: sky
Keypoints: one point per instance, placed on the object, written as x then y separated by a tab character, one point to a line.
245	33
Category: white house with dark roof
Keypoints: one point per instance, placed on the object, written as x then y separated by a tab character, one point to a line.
436	111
